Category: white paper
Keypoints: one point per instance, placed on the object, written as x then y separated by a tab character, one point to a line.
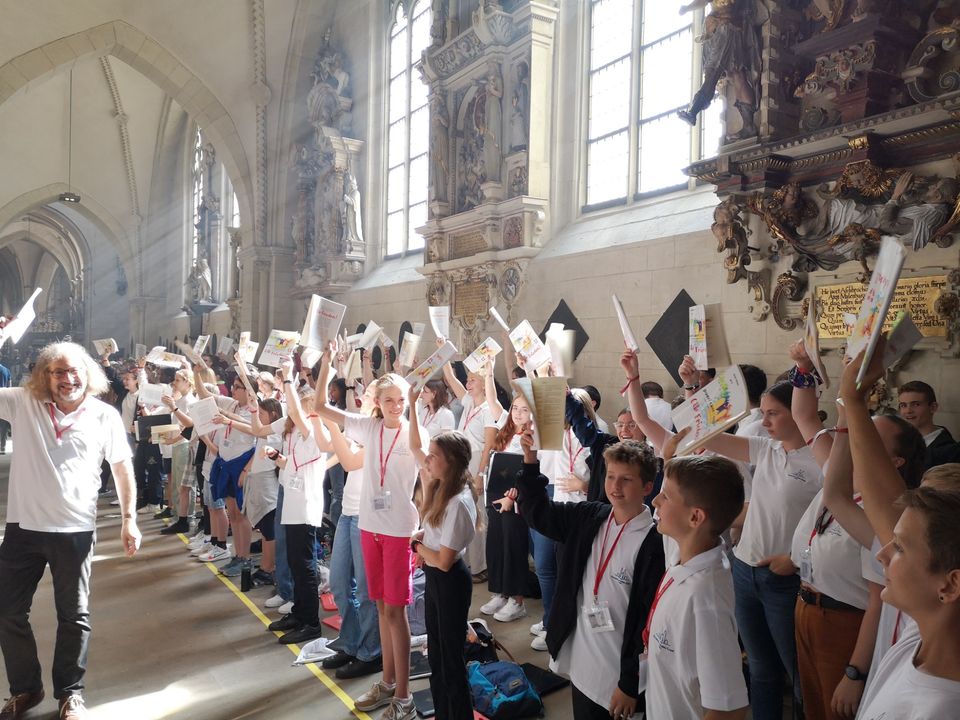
192	355
368	340
151	394
811	340
499	318
560	343
200	346
322	323
16	327
244	378
628	337
429	367
529	345
476	362
202	412
225	345
385	340
440	320
279	347
139	350
107	346
354	367
408	350
903	336
161	358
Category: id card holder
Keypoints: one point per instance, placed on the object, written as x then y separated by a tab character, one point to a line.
806	565
296	483
598	617
382	501
642	668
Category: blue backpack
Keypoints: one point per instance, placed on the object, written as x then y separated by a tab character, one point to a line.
501	691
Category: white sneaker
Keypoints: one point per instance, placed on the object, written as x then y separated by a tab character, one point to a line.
216	554
202	550
198	536
537	629
493	605
198	540
115	501
275	601
286	608
513	610
539	643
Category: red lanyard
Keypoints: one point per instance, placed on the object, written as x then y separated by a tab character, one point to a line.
427	415
604	561
59	431
664	586
823	522
896	628
573	458
384	461
471	416
292	452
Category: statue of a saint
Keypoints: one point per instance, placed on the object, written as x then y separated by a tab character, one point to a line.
493	122
352	220
915	220
439	147
731	49
200	281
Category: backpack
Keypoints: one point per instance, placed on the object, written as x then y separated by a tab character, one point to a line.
501	691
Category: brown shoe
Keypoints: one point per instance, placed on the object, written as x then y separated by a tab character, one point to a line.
15	707
72	708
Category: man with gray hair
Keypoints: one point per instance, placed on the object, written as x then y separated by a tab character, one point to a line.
63	433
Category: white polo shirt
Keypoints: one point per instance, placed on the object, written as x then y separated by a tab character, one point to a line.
898	690
592	659
473	420
572	460
694	656
54	484
306	465
784	484
435	422
458	527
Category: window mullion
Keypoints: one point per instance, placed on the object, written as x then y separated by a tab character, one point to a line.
636	78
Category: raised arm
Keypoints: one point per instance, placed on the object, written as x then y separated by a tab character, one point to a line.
804	406
416	445
450	377
881	484
654	431
490	391
294	409
320	405
838	487
350	459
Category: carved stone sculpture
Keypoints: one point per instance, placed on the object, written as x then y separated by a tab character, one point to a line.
731	50
492	122
520	102
439	147
330	83
352	240
199	281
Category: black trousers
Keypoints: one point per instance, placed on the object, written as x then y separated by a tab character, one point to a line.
301	557
24	554
447	599
147	469
586	709
508	545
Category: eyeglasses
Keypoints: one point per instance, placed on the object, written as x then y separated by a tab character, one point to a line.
63	373
625	426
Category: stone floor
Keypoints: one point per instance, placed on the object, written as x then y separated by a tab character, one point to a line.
171	639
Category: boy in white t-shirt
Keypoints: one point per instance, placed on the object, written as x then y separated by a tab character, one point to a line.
693	656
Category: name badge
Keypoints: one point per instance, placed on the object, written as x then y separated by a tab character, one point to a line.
382	501
598	617
296	483
806	565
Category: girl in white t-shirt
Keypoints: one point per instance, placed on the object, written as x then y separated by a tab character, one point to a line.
432	409
786	479
388	517
449	524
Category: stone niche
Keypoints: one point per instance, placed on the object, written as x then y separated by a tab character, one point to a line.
490	88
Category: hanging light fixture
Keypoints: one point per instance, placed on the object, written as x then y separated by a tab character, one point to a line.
70	196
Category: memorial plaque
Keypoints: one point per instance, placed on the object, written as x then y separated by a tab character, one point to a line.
470	299
916	294
466	245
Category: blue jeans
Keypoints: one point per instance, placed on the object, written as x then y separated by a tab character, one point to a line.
359	629
545	559
765	605
338	479
282	577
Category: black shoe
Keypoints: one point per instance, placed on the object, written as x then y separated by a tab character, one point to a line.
261	577
359	668
164	514
180	526
256	547
301	635
287	622
337	661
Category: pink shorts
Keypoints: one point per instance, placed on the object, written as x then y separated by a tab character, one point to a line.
388	562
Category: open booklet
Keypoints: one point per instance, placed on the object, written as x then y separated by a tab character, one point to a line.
202	412
279	347
476	362
529	345
411	343
107	346
429	367
440	320
547	398
160	357
708	344
712	409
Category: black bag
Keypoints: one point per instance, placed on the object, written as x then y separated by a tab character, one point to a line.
484	649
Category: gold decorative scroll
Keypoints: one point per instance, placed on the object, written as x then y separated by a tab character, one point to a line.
917	294
470	299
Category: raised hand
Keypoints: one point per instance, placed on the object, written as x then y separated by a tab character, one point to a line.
688	371
630	364
798	353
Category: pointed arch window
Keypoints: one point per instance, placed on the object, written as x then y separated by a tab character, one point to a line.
408	132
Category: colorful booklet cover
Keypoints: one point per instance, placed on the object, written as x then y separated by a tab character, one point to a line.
16	328
322	323
224	345
547	397
280	346
160	357
429	367
476	362
873	311
440	320
107	346
712	409
629	339
247	348
708	344
529	345
200	346
811	340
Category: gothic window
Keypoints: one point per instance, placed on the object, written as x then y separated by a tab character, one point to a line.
408	135
643	69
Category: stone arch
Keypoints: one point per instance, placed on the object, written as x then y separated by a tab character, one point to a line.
147	56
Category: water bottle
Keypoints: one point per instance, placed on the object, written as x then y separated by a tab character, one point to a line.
245	580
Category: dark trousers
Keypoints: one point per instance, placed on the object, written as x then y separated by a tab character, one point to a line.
586	709
301	557
147	465
24	554
337	479
508	544
447	599
4	431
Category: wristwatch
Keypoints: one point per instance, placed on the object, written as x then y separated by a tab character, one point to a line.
414	543
853	672
690	387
